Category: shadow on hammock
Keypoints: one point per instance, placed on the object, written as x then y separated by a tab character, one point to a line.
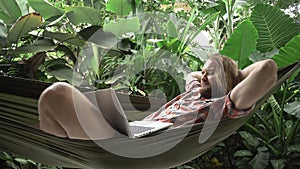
170	148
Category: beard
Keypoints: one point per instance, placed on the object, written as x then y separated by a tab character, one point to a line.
205	91
208	91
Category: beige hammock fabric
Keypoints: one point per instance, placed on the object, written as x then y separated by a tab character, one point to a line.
18	116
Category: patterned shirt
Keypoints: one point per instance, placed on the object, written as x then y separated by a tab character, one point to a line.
189	107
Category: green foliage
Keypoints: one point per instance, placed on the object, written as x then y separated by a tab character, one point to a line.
9	11
276	130
23	26
273	32
289	53
92	34
36	47
241	44
219	6
46	9
261	159
141	54
171	30
222	27
265	141
65	37
119	7
127	25
3	34
11	162
293	108
81	14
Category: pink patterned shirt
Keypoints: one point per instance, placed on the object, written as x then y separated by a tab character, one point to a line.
189	107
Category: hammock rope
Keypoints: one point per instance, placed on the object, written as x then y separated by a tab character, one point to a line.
18	134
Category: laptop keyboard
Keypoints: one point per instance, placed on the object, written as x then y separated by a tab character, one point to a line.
139	129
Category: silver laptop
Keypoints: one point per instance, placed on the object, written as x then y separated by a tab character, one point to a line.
113	112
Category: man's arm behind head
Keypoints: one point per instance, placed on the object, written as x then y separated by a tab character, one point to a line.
257	80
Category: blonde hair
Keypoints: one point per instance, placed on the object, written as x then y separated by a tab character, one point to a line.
229	73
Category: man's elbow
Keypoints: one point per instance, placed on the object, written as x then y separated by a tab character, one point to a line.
271	65
269	69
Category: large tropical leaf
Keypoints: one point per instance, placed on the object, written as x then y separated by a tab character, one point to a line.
9	11
62	72
59	69
37	46
96	35
123	26
67	52
274	28
288	54
65	37
24	25
46	9
241	44
82	14
119	7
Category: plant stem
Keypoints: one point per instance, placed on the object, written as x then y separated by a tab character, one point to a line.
185	32
266	125
281	120
133	7
292	96
216	33
255	131
229	25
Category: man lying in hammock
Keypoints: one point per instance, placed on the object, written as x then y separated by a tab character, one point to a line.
220	83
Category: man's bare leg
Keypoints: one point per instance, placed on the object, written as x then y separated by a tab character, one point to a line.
60	117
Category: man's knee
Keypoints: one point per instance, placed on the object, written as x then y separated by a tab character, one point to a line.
54	96
58	89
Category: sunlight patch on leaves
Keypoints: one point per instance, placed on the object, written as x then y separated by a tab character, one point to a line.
119	7
123	26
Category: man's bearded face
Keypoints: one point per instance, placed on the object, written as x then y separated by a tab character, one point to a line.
208	82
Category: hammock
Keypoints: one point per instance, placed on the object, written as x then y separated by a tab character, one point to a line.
19	115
